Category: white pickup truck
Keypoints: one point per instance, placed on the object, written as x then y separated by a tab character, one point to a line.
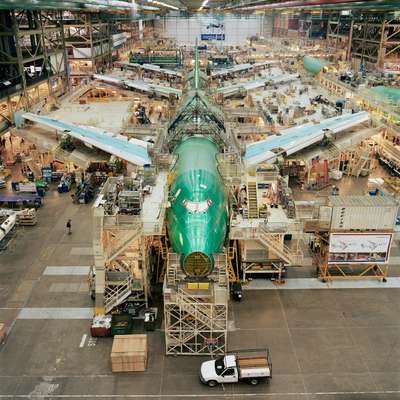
252	366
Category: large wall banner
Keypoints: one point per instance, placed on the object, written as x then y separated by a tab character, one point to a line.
212	29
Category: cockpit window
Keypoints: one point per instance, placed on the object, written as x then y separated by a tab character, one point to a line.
197	207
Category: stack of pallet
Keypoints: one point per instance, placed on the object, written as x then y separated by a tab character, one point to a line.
129	353
27	217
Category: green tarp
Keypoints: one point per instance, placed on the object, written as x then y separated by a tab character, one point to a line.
387	93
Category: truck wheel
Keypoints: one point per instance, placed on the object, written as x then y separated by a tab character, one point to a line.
254	381
212	383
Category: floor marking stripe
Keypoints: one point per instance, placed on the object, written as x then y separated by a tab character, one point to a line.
67	270
83	340
56	313
313	283
211	395
81	251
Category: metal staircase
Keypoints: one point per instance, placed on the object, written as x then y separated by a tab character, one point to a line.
191	305
33	166
363	159
66	157
230	167
274	242
115	295
172	265
252	203
121	241
331	152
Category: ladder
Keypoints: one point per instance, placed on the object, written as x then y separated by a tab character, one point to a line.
252	203
163	254
220	265
164	247
231	271
114	296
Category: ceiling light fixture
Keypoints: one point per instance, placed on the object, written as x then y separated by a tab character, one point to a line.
160	3
205	2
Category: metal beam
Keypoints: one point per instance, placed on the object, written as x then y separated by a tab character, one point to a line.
320	4
92	5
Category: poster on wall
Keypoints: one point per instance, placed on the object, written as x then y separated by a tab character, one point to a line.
212	29
347	248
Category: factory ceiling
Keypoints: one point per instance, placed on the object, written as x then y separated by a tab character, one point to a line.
289	5
201	5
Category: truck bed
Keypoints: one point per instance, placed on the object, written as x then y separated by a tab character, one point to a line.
252	362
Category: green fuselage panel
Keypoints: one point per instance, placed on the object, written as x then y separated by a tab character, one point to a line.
198	216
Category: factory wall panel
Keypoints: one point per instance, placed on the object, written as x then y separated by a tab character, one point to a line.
268	25
363	217
235	30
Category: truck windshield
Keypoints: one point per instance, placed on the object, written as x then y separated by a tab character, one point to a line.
219	366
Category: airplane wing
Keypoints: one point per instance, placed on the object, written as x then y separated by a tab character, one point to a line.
151	87
295	139
138	84
241	67
150	67
231	70
132	150
231	90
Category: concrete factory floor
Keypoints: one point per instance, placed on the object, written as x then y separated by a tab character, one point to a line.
325	344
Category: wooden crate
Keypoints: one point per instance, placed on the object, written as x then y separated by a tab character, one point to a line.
2	332
27	217
129	353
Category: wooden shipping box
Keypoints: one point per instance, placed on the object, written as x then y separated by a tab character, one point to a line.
129	353
2	332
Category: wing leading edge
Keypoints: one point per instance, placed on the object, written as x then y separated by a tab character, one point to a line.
141	85
232	90
295	139
132	150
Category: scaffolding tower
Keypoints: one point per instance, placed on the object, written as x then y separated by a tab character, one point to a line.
121	270
196	311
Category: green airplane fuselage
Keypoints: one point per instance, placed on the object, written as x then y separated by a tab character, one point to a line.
198	214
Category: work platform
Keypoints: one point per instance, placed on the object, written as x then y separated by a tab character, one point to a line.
127	214
154	204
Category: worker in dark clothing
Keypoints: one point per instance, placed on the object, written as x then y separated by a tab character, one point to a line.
69	226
